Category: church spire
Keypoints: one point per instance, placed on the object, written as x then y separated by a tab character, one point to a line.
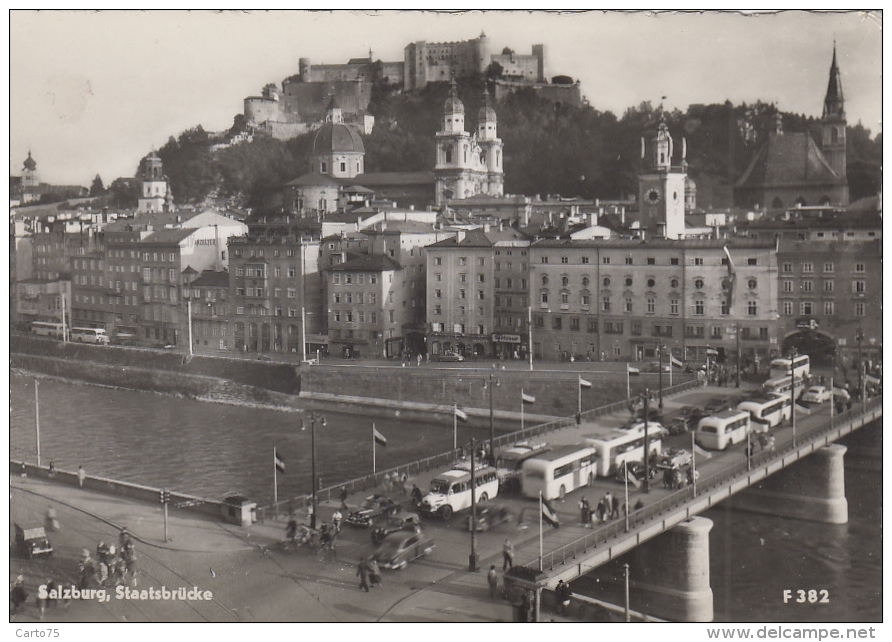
834	103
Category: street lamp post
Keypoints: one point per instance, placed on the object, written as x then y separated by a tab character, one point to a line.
793	398
737	385
530	338
473	558
646	488
660	353
313	417
492	430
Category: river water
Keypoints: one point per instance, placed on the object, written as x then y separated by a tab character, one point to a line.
213	450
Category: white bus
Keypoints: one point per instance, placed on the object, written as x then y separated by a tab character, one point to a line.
510	461
89	335
614	446
783	385
45	329
770	410
725	429
800	365
451	491
558	471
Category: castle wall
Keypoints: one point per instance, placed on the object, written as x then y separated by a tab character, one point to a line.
260	110
307	101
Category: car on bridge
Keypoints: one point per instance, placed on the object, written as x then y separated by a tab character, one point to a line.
374	508
816	394
636	470
490	516
32	541
402	521
399	549
673	458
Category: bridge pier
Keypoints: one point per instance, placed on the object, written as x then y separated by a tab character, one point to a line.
670	574
812	489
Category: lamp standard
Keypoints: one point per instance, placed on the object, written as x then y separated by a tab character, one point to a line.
492	430
793	396
313	417
473	558
646	488
660	349
530	337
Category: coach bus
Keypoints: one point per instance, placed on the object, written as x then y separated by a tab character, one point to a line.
45	329
800	365
559	471
615	446
770	410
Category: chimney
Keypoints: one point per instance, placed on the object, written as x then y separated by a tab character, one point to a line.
486	228
459	236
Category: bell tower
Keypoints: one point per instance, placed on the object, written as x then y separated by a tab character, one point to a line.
833	122
661	185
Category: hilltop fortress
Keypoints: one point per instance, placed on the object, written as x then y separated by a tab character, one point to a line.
300	105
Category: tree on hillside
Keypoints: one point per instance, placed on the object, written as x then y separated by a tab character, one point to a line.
124	193
96	188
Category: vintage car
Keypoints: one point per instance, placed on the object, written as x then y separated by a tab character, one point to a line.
399	549
32	541
636	468
450	356
673	458
491	515
816	394
374	508
402	521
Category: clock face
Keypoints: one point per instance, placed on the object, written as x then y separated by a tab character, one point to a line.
653	196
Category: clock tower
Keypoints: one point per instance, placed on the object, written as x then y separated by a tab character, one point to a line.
661	185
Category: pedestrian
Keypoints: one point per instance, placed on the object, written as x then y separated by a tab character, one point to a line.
43	602
86	570
386	483
291	530
52	519
18	595
403	479
416	495
343	498
608	504
336	521
374	572
81	476
507	555
523	611
614	505
585	511
24	471
602	510
562	592
362	571
52	469
310	510
493	578
124	539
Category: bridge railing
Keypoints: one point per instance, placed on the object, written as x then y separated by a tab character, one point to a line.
366	482
652	512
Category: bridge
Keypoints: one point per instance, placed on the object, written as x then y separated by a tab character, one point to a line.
680	585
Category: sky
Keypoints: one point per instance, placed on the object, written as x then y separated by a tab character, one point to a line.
93	92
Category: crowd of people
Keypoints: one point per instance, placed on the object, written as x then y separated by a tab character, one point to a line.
608	508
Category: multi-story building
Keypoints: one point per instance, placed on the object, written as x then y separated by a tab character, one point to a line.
88	288
208	299
275	294
830	293
462	312
620	299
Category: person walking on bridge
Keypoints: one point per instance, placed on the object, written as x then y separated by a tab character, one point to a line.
493	578
362	571
507	555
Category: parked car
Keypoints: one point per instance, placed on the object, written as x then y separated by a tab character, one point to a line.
636	468
402	521
32	541
450	356
490	516
399	549
374	508
816	394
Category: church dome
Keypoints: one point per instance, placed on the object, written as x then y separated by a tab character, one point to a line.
30	163
454	105
337	137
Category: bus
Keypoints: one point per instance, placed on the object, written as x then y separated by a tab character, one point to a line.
450	491
89	335
770	410
725	429
510	461
557	472
615	446
45	329
800	365
783	385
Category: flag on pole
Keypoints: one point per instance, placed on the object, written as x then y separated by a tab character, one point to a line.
527	398
584	384
549	515
280	463
678	363
460	414
379	438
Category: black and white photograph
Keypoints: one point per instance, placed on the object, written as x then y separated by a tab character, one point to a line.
426	316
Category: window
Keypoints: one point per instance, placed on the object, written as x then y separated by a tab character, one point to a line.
698	307
586	300
438	260
698	284
539	321
673	261
698	261
629	260
787	285
359	298
462	294
788	268
627	305
585	281
480	294
807	268
606	282
828	267
807	286
565	298
828	308
859	309
636	328
752	261
828	286
463	278
651	306
584	260
651	261
544	259
556	323
859	267
593	326
605	304
628	282
859	286
462	260
373	279
438	294
716	332
752	284
673	283
574	324
360	317
752	308
565	260
673	306
788	308
651	283
544	297
605	260
239	310
438	310
806	307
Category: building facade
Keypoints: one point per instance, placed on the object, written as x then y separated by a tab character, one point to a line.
208	299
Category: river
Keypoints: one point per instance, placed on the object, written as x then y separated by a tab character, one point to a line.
213	450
